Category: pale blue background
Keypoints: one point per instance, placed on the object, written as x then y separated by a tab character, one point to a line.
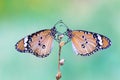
19	18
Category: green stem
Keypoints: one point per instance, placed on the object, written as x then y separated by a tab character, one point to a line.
59	58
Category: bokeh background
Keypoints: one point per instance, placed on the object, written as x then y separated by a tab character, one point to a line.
19	18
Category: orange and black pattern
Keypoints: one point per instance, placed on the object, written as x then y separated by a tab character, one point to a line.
86	43
38	43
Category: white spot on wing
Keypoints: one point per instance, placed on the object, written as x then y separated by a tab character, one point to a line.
100	40
25	41
25	44
74	49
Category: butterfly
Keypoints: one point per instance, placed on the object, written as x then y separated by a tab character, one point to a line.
86	43
83	42
38	43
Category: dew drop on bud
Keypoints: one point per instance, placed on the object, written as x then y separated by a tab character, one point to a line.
62	43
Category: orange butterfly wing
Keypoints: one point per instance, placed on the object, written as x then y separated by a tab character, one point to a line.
85	43
39	43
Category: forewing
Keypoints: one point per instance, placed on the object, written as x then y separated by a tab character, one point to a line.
38	43
85	43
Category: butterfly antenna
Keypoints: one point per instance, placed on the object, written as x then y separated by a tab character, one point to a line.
65	25
60	21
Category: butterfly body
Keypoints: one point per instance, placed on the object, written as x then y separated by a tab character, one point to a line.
84	42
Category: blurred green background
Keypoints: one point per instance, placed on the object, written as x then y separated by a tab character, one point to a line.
19	18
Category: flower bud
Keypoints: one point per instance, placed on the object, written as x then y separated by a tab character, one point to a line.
58	76
62	62
62	43
61	36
